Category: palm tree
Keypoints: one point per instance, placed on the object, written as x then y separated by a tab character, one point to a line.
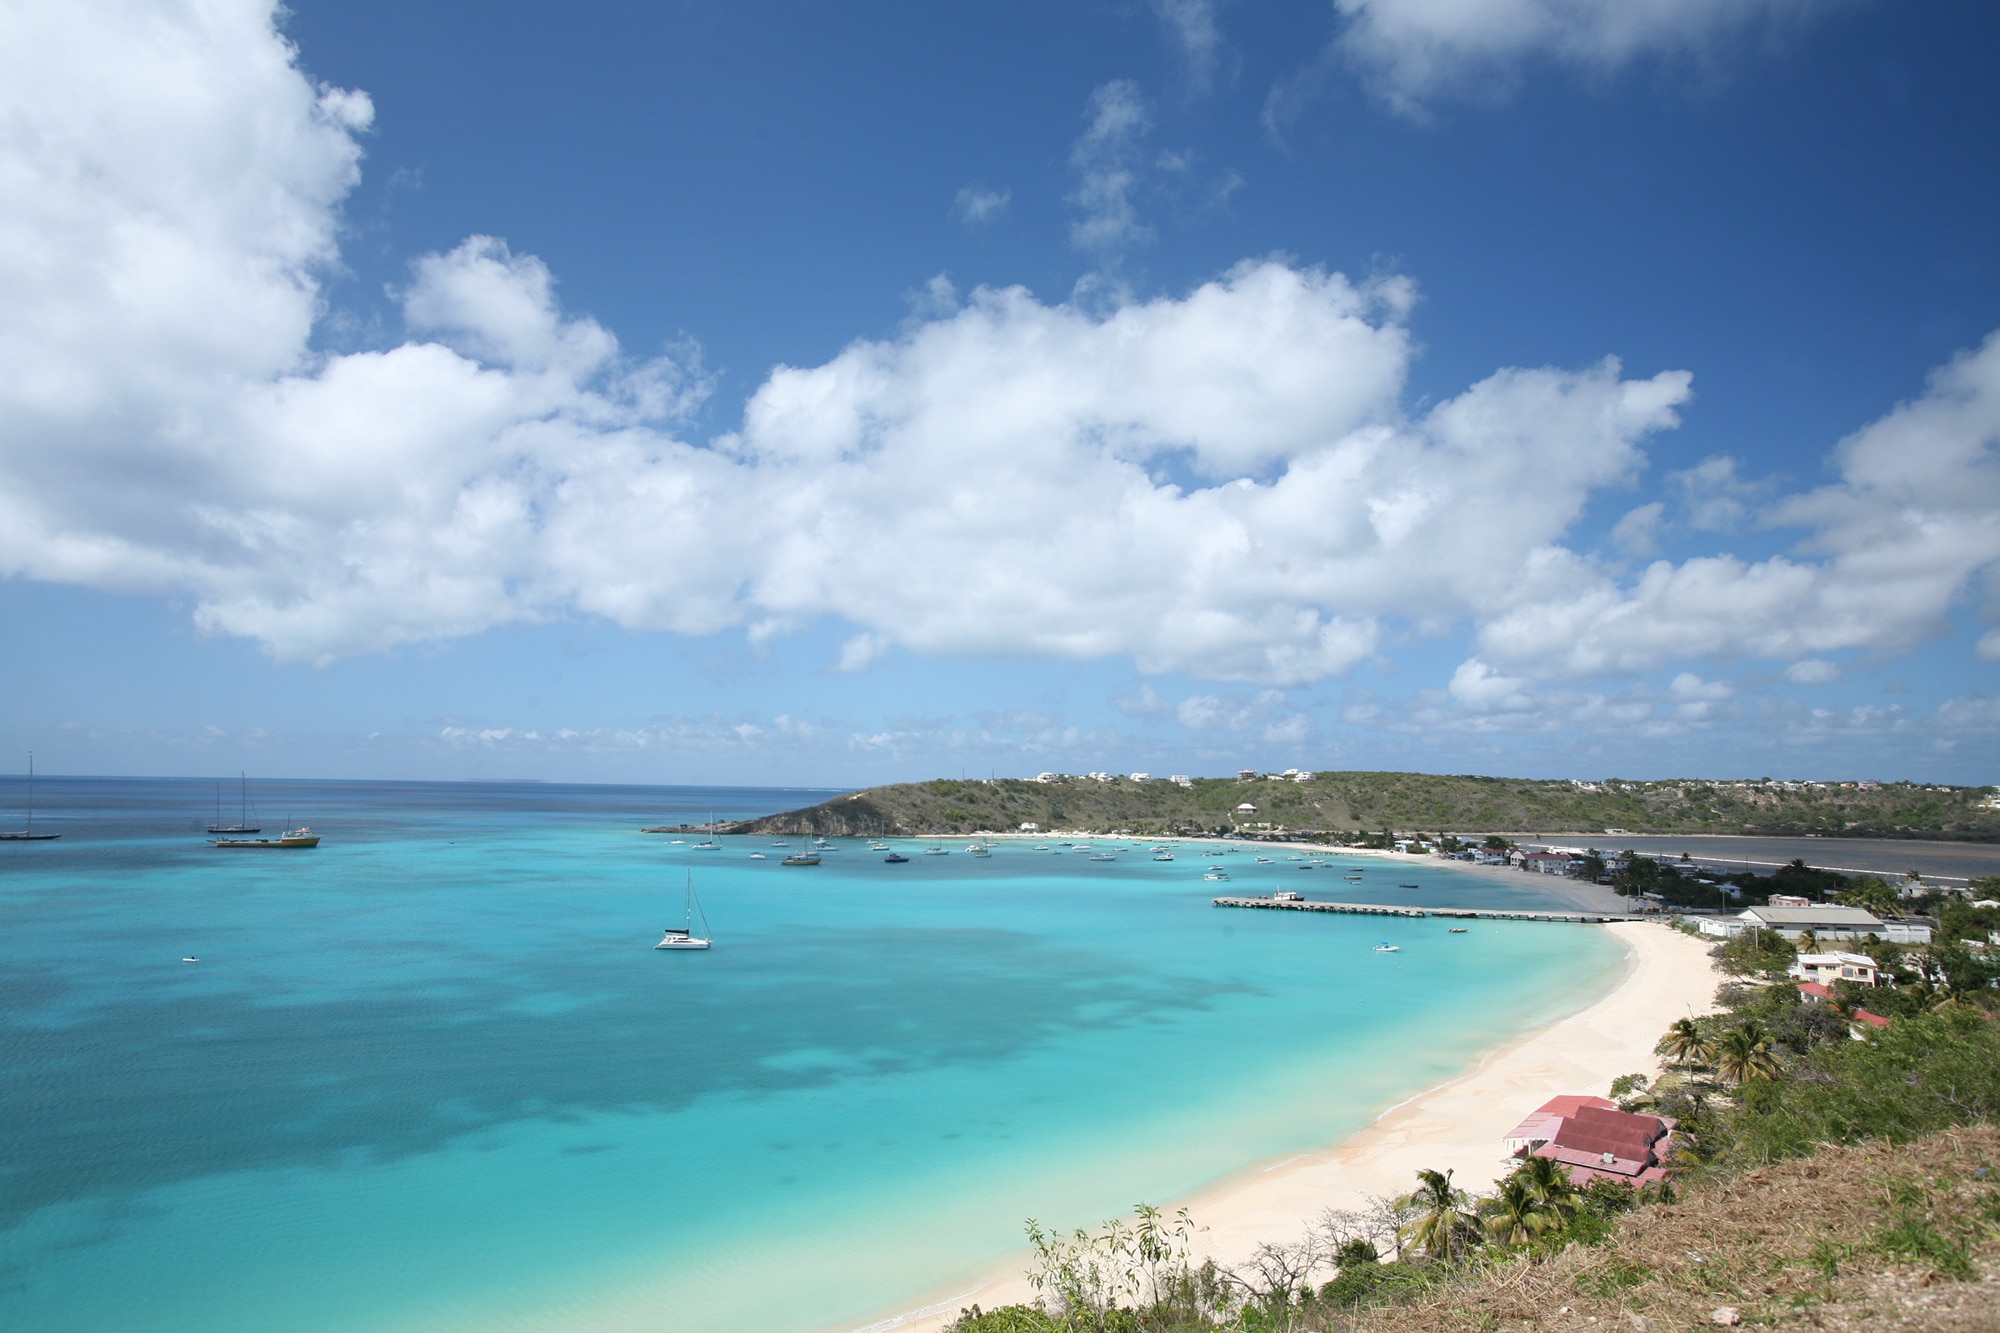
1685	1045
1549	1181
1513	1215
1744	1053
1447	1226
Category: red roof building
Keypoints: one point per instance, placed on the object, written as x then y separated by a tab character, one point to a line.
1596	1140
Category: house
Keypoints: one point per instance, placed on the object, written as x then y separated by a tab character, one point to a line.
1142	777
1181	780
1825	968
1029	826
1246	809
1596	1140
1246	775
1789	900
1303	776
1825	920
1547	863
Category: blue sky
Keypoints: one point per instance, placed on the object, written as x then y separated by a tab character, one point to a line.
795	393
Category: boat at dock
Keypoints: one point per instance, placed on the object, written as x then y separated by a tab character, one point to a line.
291	838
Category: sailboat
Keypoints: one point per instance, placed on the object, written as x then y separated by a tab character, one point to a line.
683	936
28	834
242	824
711	844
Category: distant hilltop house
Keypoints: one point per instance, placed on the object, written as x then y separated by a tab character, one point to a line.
1858	968
1142	777
1181	780
1246	809
1596	1140
1246	775
1826	921
1048	777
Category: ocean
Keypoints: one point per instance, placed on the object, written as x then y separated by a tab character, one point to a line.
433	1076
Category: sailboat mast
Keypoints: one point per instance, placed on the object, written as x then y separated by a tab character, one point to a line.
31	791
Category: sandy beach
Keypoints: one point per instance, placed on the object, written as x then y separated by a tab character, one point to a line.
1454	1126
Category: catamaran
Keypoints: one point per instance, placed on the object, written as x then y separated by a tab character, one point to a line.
683	936
242	824
28	834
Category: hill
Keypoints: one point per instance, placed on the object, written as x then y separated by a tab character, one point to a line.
1353	802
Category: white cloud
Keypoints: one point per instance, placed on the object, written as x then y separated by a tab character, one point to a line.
1106	160
1713	498
1913	521
1222	483
976	204
1638	533
1190	25
1812	671
1416	49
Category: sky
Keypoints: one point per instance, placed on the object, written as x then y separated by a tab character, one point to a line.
801	393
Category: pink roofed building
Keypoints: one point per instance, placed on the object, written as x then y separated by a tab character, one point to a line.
1596	1140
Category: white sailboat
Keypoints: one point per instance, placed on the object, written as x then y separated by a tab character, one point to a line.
683	936
711	844
28	834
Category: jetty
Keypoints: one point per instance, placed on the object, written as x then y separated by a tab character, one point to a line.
1573	916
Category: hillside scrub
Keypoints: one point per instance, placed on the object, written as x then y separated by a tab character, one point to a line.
1354	806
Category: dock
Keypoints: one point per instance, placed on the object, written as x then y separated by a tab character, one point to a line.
1573	916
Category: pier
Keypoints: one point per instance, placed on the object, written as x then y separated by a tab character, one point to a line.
1573	916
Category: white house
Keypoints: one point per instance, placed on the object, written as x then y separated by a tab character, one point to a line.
1181	780
1142	777
1827	968
1029	826
1825	920
1246	809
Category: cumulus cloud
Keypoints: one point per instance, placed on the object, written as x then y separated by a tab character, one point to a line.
1221	482
1910	526
1414	50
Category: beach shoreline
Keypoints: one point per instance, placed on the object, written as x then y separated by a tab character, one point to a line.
1455	1125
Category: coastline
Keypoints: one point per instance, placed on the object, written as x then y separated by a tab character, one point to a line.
1455	1125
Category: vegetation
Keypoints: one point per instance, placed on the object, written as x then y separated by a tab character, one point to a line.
1825	1170
1366	806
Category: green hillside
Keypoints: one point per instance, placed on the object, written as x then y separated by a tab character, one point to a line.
1346	803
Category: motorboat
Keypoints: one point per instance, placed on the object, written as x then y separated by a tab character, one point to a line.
758	856
1163	856
1408	886
1386	947
299	837
895	858
1215	873
683	936
1457	930
1102	856
1287	896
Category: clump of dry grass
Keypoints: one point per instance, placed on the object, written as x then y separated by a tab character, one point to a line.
1871	1236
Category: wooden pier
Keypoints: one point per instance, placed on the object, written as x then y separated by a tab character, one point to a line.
1576	917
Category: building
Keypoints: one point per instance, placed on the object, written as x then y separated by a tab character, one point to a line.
1789	900
1246	809
1912	929
1246	775
1596	1140
1029	826
1547	863
1181	780
1142	777
1825	920
1827	968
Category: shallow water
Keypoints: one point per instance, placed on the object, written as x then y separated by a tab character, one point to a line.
433	1075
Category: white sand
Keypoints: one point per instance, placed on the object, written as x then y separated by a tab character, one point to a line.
1455	1126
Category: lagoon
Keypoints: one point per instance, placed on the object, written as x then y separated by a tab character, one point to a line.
433	1076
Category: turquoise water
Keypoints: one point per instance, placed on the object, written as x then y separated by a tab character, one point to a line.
433	1076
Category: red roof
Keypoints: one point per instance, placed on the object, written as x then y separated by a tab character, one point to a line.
1594	1139
1814	990
1872	1020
